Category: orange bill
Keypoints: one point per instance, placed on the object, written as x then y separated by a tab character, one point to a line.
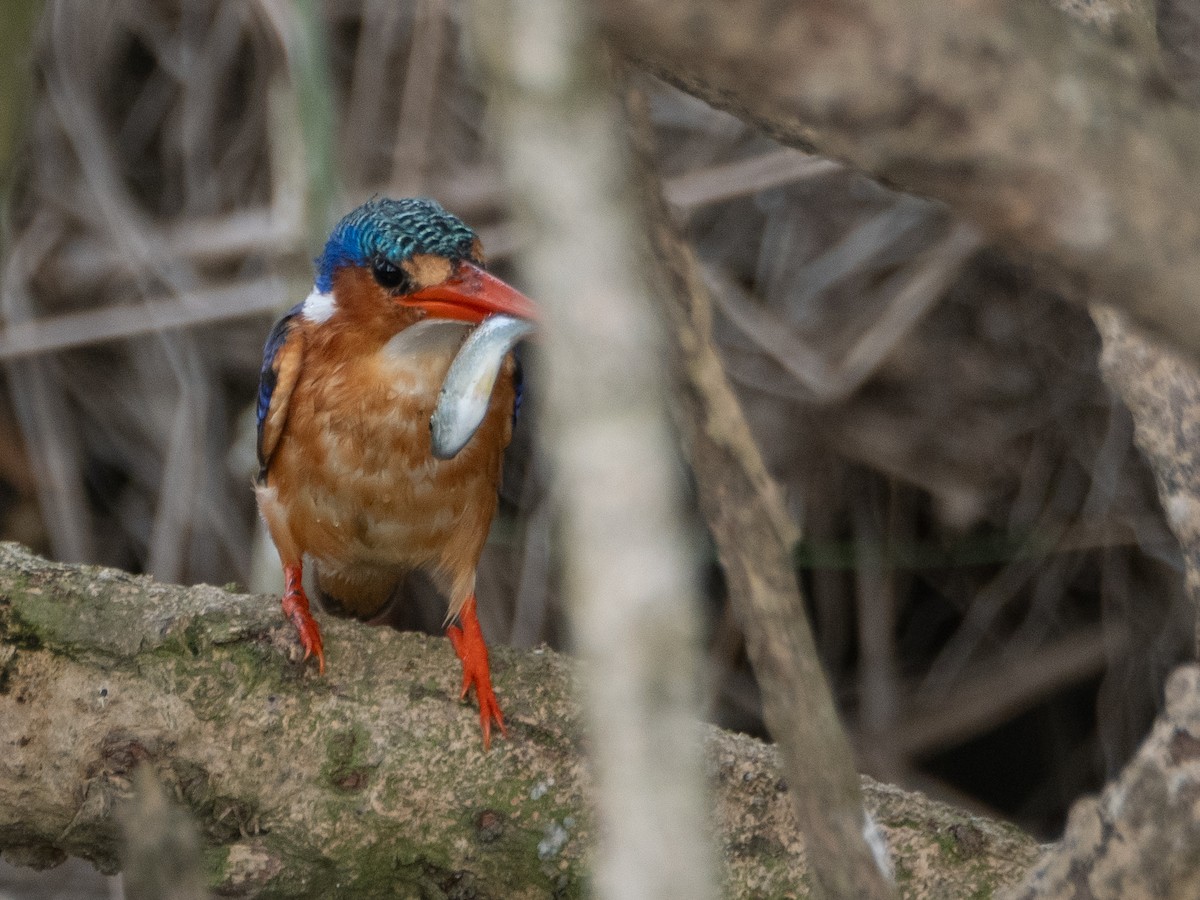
471	295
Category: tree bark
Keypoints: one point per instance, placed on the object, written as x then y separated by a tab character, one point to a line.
630	584
1063	145
370	781
1161	387
1140	838
755	537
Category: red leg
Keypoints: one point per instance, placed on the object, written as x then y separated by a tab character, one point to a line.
295	607
467	638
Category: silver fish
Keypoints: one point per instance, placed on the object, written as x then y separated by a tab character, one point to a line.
467	388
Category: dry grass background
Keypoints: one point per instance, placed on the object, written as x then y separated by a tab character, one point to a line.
995	593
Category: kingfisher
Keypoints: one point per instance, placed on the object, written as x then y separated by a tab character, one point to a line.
347	478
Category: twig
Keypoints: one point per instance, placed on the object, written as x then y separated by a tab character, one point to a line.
421	79
199	307
829	380
1004	688
728	181
41	408
754	538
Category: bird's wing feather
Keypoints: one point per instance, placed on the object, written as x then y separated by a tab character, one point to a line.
518	386
282	356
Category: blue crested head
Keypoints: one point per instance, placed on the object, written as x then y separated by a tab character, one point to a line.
386	232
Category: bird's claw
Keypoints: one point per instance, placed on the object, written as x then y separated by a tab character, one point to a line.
489	710
295	607
468	644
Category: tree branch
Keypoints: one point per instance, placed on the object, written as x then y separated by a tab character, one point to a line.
1141	837
1161	387
369	781
1060	143
754	537
630	586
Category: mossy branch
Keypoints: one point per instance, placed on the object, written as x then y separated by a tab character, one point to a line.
370	780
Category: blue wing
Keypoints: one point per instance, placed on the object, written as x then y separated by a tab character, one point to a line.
518	386
268	380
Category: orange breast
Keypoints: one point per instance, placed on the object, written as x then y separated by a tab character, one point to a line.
361	492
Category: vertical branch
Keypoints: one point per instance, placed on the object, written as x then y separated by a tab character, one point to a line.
754	538
160	846
308	61
629	586
1161	387
41	407
410	156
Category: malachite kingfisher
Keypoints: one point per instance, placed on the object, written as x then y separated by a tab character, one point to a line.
350	378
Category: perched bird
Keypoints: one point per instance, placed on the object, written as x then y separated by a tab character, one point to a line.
350	378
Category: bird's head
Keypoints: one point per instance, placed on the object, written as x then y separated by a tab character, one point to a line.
396	262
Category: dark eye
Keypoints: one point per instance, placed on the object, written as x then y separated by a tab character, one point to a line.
387	275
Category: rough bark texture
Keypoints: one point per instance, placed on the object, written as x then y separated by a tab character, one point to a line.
367	782
1058	142
754	537
1141	838
1161	387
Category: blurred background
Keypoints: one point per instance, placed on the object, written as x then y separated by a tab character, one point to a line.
995	593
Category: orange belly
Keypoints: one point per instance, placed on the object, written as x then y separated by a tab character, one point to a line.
357	490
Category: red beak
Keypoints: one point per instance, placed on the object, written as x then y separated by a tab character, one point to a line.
471	295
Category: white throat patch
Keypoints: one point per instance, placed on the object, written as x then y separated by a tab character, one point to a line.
318	307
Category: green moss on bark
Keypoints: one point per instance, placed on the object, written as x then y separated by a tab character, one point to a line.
369	781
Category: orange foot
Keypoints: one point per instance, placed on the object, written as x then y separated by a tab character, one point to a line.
295	607
467	639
